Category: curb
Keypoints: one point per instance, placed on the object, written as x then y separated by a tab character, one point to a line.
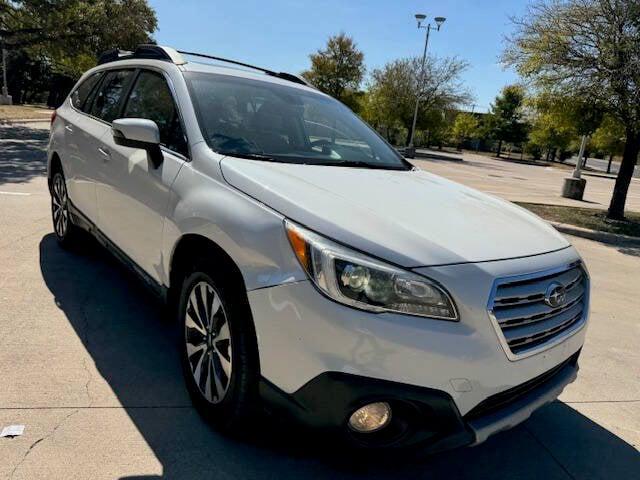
616	239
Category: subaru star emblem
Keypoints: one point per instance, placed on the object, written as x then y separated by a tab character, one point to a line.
555	295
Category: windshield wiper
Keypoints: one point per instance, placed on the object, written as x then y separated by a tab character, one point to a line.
249	156
360	164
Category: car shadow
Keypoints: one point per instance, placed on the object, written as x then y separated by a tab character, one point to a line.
122	328
22	153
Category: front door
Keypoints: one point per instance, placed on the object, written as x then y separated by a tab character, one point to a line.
133	195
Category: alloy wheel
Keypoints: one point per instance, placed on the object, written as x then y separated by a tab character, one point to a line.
60	206
208	342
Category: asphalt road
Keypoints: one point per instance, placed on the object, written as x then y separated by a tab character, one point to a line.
601	165
87	364
524	181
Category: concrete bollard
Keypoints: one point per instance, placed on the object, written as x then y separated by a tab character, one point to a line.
573	188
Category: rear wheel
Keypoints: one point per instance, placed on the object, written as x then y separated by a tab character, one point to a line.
218	348
66	232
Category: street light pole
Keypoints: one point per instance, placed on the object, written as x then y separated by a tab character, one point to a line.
5	90
439	21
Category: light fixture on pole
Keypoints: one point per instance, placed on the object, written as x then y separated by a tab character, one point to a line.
420	18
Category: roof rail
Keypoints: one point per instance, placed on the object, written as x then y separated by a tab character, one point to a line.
155	52
169	54
113	55
284	75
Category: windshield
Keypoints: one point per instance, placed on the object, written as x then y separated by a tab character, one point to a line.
267	121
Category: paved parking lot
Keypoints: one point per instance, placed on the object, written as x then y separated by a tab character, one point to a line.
524	182
87	364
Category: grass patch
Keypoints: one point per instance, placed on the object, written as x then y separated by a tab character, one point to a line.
590	218
24	112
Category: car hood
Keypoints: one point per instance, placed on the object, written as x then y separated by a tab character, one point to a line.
411	218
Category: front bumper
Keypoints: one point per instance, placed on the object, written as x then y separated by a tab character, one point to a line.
422	417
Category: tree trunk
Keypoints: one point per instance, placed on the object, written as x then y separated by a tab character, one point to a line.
627	167
609	165
499	148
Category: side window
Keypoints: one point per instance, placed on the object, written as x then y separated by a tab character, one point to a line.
106	104
80	94
151	98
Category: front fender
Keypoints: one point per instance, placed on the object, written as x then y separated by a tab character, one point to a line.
251	233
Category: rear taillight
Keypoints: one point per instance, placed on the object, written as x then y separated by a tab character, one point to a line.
54	114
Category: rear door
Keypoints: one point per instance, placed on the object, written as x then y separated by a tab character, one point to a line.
133	194
80	162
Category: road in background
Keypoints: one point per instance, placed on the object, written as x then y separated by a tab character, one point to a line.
601	165
87	364
525	181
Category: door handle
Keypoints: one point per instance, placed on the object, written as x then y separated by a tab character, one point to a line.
106	154
68	128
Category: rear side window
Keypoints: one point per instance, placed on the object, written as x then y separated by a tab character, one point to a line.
151	98
80	94
106	104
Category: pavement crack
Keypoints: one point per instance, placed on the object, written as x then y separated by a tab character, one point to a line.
39	441
89	380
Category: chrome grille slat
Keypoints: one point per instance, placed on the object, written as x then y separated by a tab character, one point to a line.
535	311
526	320
516	334
537	288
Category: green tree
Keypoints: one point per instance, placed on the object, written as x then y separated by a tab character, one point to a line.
338	69
505	122
551	133
395	87
609	139
561	119
588	48
465	127
64	37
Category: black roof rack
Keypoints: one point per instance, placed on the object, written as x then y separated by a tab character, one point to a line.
168	54
149	51
113	55
284	75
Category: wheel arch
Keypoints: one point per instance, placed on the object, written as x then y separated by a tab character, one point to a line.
189	247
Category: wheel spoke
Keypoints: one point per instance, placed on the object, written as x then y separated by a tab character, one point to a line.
225	364
190	323
199	305
215	307
217	375
197	372
208	393
223	332
193	349
192	310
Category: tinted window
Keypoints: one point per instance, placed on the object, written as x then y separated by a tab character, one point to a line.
151	98
106	104
246	117
80	94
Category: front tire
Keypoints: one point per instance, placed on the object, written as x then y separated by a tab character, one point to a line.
66	232
218	348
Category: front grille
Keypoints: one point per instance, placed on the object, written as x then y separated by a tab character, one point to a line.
531	311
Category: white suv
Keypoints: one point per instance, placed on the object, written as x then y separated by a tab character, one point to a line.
312	269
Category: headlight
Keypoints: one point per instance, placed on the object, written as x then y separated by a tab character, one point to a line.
363	282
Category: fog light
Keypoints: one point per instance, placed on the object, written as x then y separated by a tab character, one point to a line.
371	418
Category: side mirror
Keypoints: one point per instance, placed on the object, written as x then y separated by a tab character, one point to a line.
139	133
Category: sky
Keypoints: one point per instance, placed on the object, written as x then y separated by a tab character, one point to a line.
280	34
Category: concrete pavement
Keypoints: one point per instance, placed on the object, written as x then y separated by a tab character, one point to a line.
524	182
87	364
